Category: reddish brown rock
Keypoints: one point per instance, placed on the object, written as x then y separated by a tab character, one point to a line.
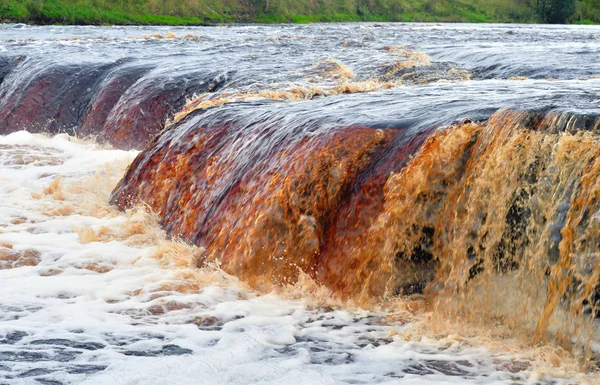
119	103
142	110
48	99
110	91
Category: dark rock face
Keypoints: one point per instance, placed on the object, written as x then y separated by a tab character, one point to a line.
143	109
110	90
7	63
51	99
120	103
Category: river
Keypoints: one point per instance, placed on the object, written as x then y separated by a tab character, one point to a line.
352	203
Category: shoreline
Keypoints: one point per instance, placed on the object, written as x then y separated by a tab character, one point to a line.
215	12
291	22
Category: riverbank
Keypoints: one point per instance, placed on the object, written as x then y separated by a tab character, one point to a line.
193	12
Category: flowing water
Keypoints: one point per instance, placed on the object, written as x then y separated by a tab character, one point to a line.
340	203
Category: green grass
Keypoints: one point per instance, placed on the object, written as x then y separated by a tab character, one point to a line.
194	12
100	13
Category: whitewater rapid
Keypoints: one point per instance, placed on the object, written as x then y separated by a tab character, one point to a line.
95	296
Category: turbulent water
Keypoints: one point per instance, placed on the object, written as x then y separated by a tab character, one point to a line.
340	203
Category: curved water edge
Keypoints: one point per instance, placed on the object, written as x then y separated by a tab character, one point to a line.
121	84
434	174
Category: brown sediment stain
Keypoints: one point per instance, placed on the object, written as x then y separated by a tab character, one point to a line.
459	74
89	235
59	210
181	286
179	255
11	258
412	67
209	100
360	211
139	229
206	321
169	35
352	43
19	220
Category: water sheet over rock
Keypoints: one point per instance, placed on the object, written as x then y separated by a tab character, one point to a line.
123	103
370	211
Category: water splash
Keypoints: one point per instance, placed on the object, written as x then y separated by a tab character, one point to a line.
118	300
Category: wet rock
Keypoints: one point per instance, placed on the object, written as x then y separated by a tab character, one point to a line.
287	351
23	356
330	358
272	193
7	64
120	103
50	99
143	109
208	323
110	90
164	308
352	43
448	368
374	342
423	74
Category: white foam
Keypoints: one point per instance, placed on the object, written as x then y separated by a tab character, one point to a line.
114	314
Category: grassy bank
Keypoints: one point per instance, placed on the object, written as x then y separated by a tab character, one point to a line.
192	12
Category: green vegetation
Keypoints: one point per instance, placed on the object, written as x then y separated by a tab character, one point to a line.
190	12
